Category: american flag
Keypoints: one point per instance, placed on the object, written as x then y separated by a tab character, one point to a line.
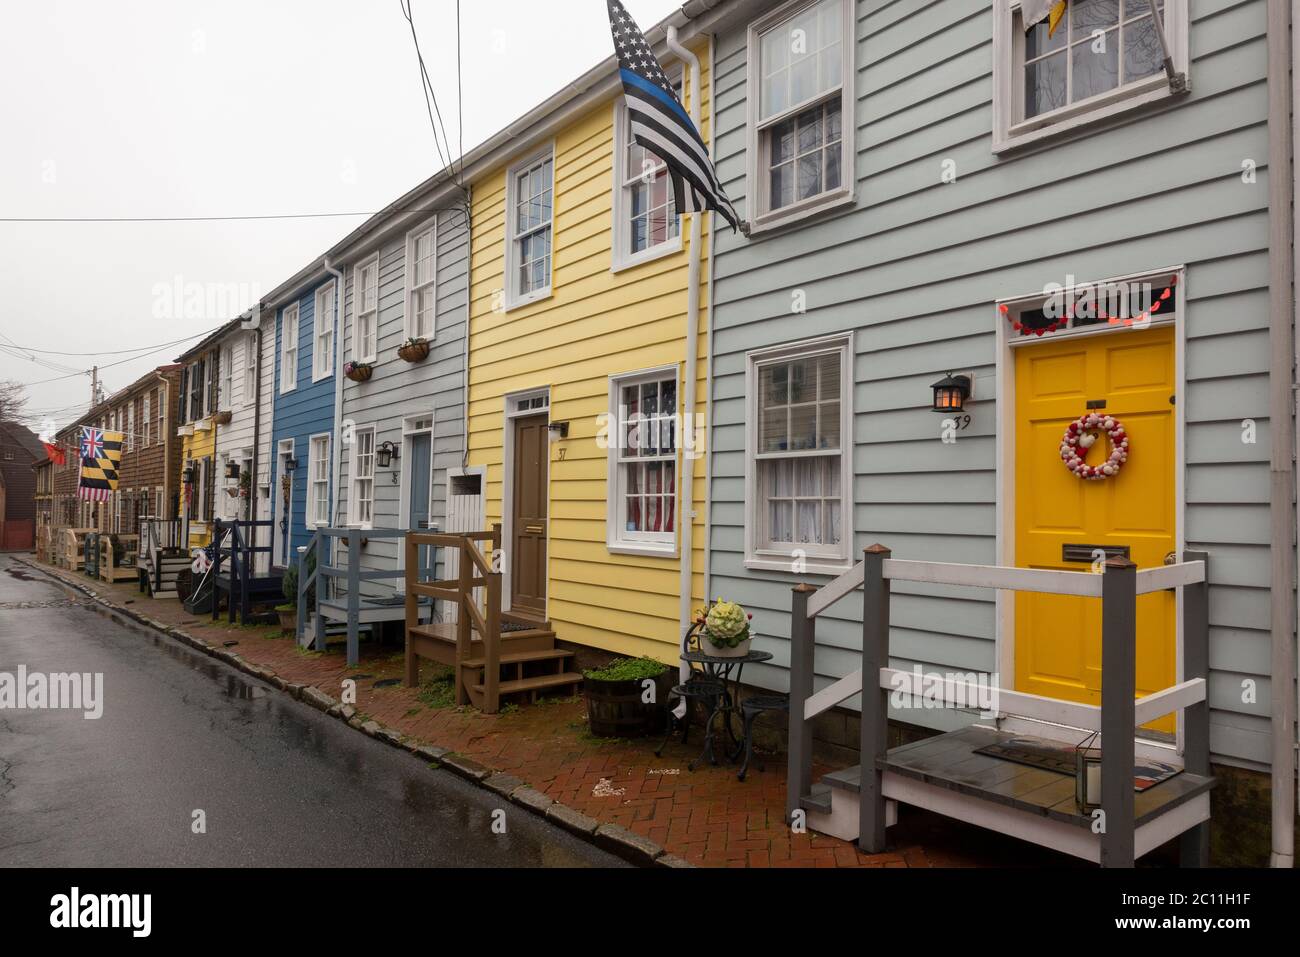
661	124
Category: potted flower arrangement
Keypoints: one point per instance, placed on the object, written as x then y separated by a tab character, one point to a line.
358	371
223	418
617	705
414	349
288	612
245	483
724	630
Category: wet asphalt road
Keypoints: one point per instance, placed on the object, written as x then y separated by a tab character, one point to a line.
280	783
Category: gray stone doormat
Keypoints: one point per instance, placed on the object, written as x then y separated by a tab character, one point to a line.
1037	753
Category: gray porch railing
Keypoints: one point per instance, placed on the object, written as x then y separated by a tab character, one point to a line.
326	575
1118	717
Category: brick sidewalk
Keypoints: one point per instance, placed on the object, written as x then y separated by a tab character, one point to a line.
706	817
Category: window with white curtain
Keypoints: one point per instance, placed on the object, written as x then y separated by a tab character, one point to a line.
318	481
365	297
361	503
323	348
421	281
799	474
643	461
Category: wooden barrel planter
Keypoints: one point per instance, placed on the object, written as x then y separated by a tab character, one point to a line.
616	709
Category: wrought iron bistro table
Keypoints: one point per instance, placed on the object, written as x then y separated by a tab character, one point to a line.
726	673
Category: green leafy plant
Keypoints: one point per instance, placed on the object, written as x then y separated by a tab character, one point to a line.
724	624
627	669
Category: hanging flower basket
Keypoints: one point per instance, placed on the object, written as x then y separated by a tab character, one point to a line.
222	418
359	371
414	350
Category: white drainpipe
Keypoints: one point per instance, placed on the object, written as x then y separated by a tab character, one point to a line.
1282	399
336	454
686	502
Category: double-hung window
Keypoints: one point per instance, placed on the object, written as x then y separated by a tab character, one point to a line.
289	349
529	227
421	281
130	427
146	421
250	369
643	462
799	471
318	481
323	346
801	96
1100	58
362	500
162	415
365	305
227	399
646	222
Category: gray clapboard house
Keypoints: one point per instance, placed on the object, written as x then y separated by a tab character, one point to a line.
951	193
402	432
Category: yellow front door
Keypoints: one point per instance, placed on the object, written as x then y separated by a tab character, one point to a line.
1061	520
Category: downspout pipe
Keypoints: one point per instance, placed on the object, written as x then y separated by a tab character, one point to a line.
686	502
1281	257
336	455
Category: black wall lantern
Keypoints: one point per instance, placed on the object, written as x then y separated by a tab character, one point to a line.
187	476
385	454
291	464
558	430
951	393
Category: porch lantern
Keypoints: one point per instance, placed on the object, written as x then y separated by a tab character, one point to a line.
558	430
951	393
291	464
1087	774
187	475
385	454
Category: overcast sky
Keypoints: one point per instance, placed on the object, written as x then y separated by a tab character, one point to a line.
163	108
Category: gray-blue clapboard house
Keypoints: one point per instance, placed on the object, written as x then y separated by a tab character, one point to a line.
919	178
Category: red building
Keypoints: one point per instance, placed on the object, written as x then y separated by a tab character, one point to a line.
19	451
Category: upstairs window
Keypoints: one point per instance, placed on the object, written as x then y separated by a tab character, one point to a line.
1101	58
801	91
421	284
250	369
323	318
228	378
289	349
366	299
529	224
646	222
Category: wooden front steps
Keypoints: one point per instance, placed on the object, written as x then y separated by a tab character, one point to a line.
493	652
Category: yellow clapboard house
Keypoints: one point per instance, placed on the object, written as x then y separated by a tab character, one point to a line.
577	357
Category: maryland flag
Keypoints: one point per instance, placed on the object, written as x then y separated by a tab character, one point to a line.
101	456
1033	12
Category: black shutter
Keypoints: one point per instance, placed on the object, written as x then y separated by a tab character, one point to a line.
214	380
180	405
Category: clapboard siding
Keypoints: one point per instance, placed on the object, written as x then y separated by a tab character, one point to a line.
915	267
399	390
235	440
597	323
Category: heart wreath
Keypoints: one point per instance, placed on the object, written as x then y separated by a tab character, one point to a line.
1082	434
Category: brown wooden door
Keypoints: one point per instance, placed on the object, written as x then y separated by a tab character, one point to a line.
528	521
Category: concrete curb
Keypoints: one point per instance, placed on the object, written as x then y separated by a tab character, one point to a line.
616	839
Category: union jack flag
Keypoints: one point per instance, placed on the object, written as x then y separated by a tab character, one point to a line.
92	443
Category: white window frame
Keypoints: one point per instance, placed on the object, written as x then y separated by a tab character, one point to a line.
250	369
354	478
762	216
226	401
288	350
318	474
513	298
162	415
146	416
1011	132
130	426
818	560
617	539
323	333
621	255
160	503
413	289
365	348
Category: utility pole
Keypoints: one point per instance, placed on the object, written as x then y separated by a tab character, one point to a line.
94	386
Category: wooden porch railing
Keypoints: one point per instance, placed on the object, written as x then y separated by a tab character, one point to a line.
237	542
475	571
1118	717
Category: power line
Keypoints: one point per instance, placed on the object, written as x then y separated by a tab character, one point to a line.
430	98
118	352
109	365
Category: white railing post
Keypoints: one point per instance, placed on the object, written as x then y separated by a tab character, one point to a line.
1194	845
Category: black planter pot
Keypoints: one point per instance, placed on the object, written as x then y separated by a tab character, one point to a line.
615	709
